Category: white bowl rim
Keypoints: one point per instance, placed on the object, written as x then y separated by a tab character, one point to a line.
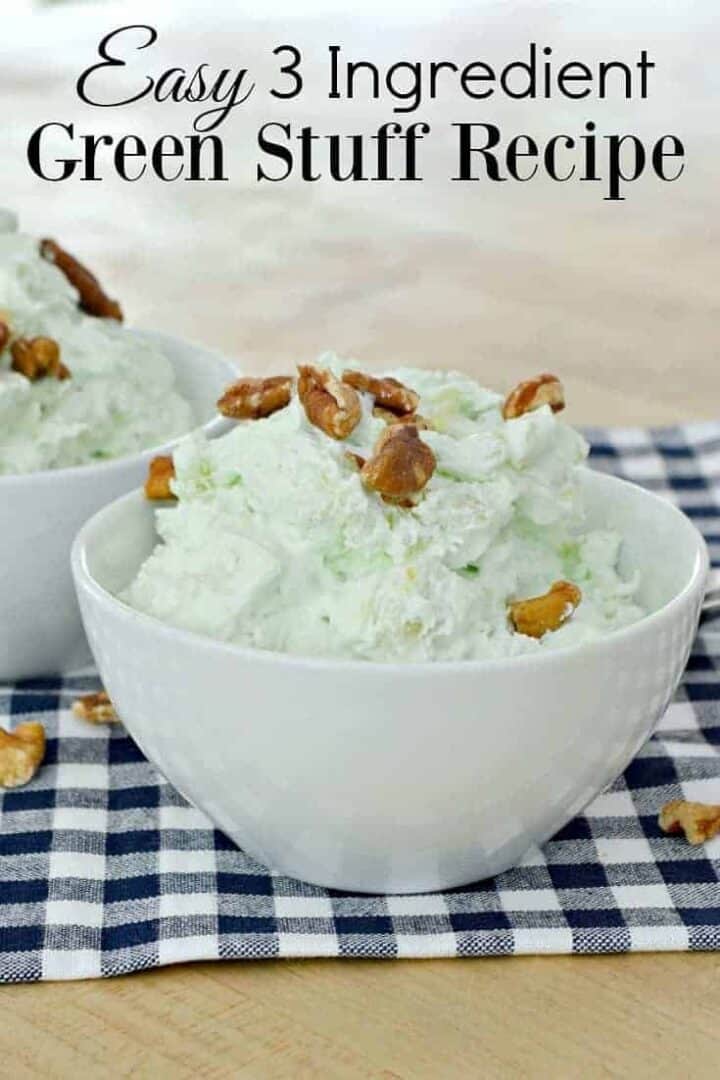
695	585
216	423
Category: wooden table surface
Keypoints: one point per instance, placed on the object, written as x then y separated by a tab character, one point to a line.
628	1016
620	299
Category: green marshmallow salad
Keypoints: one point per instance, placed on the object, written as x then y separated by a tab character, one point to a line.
111	393
322	532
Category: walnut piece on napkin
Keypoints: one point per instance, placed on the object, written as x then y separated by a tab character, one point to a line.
95	709
21	753
699	821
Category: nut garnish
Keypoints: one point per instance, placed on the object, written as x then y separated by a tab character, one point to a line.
401	464
21	752
329	404
541	614
388	392
355	459
160	473
699	821
409	418
4	334
95	709
527	396
93	298
252	399
37	357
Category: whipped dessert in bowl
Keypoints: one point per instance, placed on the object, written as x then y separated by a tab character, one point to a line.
389	631
84	403
416	528
75	387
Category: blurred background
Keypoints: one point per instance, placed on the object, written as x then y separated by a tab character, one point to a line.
503	280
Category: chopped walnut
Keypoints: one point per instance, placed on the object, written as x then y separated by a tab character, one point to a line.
699	821
252	399
21	752
160	472
4	334
388	392
93	298
401	464
541	614
329	404
37	357
528	396
409	418
95	709
355	459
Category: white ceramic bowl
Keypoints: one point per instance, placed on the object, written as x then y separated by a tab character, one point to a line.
40	513
391	777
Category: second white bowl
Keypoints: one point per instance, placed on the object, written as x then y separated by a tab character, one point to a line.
40	513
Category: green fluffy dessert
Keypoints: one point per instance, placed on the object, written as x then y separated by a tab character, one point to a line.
276	541
120	396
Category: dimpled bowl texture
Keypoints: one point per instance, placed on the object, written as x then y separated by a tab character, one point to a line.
394	777
41	631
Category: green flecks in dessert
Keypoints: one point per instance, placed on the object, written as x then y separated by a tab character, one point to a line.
302	557
119	395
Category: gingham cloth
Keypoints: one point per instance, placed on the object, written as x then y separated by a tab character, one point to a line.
104	869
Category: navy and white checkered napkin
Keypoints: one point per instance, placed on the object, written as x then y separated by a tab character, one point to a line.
104	869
